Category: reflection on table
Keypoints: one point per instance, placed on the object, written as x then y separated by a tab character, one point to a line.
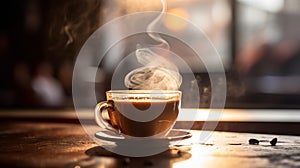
50	144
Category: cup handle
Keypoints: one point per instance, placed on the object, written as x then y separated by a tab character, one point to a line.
100	107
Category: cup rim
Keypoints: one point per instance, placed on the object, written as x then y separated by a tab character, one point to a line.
144	91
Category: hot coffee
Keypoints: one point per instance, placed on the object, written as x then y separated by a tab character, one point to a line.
139	113
168	112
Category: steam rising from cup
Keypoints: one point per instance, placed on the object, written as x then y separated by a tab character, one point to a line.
157	72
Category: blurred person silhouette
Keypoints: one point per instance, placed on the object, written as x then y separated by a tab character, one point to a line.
48	89
24	95
260	58
6	64
65	73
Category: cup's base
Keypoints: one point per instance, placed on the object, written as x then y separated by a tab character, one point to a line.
140	146
173	135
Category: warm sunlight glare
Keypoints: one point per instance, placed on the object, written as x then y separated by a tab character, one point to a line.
176	21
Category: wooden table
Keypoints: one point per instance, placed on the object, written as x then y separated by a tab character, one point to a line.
37	143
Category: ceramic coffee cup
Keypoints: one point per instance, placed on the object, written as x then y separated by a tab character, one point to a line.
139	113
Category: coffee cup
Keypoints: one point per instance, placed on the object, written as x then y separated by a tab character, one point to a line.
139	113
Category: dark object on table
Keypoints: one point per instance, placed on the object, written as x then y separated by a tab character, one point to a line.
253	142
148	163
273	142
235	144
126	161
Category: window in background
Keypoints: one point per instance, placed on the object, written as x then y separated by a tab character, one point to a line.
268	51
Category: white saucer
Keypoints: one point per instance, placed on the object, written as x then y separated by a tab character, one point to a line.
174	135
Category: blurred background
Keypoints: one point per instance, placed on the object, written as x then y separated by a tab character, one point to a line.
258	41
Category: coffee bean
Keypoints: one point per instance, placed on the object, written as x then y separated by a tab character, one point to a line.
273	142
253	142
